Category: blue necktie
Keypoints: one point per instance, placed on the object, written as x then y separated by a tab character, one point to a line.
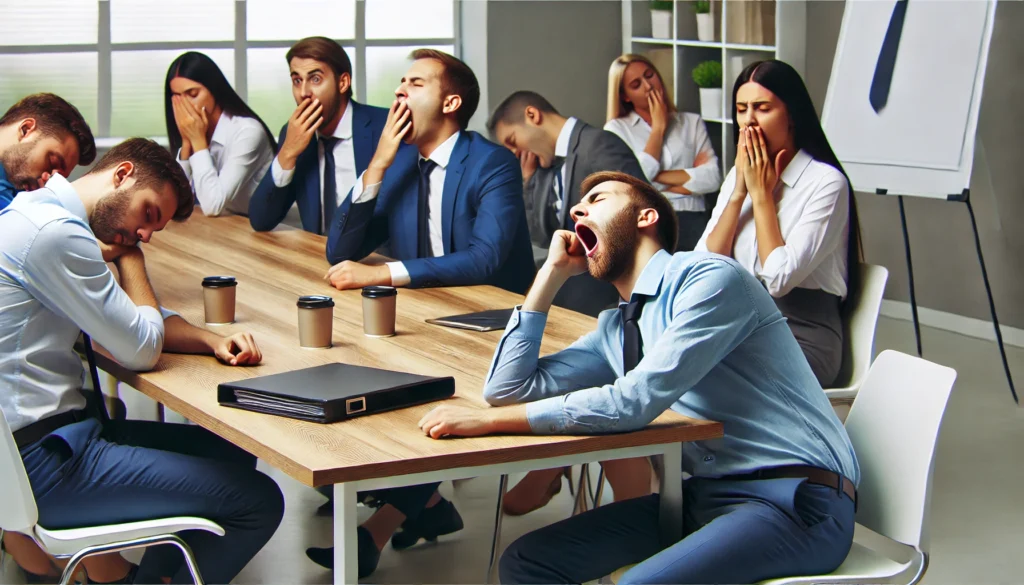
879	93
330	182
423	248
632	343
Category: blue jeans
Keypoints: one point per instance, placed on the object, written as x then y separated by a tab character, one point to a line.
86	475
735	532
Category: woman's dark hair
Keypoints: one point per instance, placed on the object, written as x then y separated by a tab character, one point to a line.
781	79
201	69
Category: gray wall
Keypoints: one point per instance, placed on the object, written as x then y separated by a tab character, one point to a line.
560	49
946	272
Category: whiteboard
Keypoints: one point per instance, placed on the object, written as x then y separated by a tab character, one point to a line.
922	141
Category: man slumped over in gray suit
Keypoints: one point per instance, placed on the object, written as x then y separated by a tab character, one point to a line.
556	153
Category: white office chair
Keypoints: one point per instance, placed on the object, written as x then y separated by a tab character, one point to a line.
894	424
859	334
18	513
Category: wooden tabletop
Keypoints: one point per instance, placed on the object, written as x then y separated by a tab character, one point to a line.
273	269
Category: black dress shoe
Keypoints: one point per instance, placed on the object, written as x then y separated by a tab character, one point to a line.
369	556
432	522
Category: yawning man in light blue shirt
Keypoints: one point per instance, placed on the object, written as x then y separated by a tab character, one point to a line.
775	497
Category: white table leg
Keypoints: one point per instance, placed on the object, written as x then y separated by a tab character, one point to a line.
671	512
346	542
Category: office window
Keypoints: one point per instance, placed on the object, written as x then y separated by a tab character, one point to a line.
110	58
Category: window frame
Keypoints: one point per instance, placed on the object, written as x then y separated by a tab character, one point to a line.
105	49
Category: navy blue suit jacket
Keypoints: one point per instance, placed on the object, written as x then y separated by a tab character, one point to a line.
486	239
270	204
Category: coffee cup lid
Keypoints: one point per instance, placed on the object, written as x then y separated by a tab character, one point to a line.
315	302
219	281
376	292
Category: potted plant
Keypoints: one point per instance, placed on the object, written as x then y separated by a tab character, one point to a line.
708	77
705	20
661	19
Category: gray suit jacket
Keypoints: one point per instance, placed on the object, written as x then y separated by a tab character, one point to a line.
590	150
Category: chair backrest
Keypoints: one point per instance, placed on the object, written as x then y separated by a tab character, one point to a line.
18	512
894	424
861	318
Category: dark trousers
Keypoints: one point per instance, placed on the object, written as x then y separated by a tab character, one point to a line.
86	475
735	532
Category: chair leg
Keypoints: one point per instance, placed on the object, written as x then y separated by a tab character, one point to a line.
496	538
67	578
600	487
581	490
3	550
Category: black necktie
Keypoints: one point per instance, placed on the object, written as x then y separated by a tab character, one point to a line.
878	95
632	350
423	249
330	182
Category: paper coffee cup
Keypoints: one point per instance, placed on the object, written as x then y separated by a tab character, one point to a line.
219	299
379	310
316	321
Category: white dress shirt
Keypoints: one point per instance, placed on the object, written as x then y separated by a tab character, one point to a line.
344	163
224	176
685	138
562	150
53	283
441	155
813	213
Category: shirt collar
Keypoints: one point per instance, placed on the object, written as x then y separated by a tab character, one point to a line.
222	131
633	118
795	168
343	130
562	144
443	154
67	196
649	282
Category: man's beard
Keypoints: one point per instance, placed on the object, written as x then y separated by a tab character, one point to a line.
108	217
617	245
15	162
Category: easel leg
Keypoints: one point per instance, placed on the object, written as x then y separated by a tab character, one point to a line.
991	302
910	273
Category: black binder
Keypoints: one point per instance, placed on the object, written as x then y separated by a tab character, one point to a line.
482	321
333	392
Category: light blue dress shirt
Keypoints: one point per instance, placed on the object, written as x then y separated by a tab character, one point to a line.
715	347
54	283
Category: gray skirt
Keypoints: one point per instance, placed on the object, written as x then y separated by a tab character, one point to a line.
815	318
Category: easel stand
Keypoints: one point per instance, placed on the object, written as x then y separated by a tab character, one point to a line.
965	197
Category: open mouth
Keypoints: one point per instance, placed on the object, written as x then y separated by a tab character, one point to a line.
588	238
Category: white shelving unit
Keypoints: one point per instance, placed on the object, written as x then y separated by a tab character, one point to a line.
783	39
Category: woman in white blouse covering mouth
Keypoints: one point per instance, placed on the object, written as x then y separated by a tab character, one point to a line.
223	146
673	148
786	211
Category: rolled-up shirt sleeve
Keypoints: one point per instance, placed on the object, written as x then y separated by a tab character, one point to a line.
706	178
518	374
821	228
65	271
711	317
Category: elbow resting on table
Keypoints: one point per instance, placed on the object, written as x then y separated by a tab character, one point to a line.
503	394
143	360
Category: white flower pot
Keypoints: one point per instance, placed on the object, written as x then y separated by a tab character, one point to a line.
711	103
705	27
661	24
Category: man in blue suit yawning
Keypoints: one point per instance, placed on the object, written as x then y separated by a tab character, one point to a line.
452	207
327	142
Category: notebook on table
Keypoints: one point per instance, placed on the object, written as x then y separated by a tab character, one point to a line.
333	392
482	321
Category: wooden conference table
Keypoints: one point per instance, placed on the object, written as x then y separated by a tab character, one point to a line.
383	450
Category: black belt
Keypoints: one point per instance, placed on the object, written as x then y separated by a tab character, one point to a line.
815	475
25	436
